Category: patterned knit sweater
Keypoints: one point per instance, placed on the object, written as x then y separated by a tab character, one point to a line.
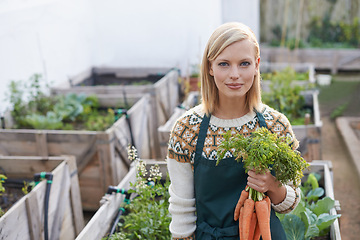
181	153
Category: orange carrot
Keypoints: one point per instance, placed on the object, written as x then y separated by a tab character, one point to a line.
248	211
257	231
241	222
252	226
262	212
267	199
244	195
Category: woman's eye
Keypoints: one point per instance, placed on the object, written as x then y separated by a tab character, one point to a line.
244	64
223	64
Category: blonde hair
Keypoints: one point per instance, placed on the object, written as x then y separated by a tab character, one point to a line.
222	37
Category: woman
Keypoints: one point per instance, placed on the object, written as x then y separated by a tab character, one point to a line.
203	196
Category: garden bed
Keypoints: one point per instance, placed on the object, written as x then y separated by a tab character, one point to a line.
324	168
101	155
25	219
349	128
100	224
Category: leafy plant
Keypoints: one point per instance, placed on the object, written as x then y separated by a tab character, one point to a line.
311	218
39	111
264	151
284	95
2	189
148	216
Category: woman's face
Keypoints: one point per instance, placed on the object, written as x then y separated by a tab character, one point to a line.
234	70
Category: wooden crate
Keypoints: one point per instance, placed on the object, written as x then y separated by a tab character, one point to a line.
25	219
101	155
100	224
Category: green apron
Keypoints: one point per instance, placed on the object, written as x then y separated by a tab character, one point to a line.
217	190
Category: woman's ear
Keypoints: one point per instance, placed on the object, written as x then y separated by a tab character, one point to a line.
211	72
257	64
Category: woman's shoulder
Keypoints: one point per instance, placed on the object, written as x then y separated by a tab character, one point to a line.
270	114
192	116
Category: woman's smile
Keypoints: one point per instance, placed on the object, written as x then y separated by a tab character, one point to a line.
234	86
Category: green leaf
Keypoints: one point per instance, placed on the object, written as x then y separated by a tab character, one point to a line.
325	220
323	206
313	195
312	231
308	217
293	226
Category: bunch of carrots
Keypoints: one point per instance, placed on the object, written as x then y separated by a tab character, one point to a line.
262	151
253	216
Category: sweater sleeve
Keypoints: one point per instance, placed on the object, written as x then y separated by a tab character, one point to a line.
290	202
182	199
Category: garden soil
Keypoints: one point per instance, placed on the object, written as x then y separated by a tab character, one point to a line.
345	177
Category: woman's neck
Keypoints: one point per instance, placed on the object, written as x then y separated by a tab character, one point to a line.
231	110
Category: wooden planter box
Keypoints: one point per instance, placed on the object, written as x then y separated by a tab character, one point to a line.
324	168
25	219
100	224
164	92
101	156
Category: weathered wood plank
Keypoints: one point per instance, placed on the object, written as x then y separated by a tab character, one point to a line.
24	220
34	220
60	193
100	222
76	208
41	143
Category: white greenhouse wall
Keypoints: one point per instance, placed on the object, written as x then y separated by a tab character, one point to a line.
59	39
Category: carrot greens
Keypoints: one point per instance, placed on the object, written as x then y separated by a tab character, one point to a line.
263	151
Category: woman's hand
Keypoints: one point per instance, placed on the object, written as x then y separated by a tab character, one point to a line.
267	183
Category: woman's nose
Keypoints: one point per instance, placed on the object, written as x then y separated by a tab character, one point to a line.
234	73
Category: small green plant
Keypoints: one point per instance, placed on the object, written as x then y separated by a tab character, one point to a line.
284	95
148	216
2	189
311	218
28	186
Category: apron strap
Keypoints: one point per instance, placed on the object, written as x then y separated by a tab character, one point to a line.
201	138
218	233
261	119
